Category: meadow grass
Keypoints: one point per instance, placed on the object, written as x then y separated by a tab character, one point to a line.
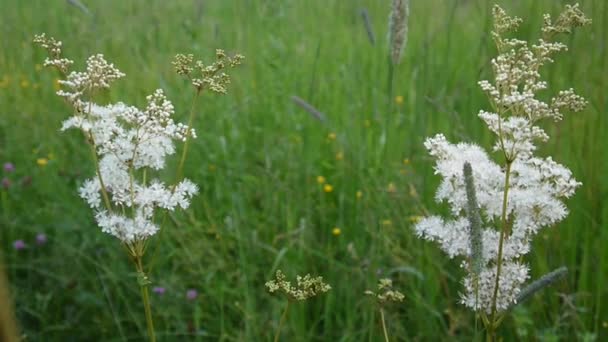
257	159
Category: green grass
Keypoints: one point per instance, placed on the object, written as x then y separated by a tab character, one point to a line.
256	161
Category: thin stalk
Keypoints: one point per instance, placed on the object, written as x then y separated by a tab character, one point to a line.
104	192
182	160
146	299
383	325
281	322
180	167
389	85
492	327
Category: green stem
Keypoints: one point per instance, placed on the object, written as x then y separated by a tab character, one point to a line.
182	160
281	322
146	300
104	192
383	325
493	325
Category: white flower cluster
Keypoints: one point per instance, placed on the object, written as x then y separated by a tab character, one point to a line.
99	75
127	140
536	186
536	189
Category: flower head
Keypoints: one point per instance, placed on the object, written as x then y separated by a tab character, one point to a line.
19	245
191	294
386	293
41	239
398	28
159	290
9	167
42	162
306	287
207	76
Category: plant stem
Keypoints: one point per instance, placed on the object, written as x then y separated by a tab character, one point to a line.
283	317
492	326
146	299
182	160
104	192
383	325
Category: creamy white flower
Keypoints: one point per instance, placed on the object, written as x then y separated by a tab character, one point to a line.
126	229
480	291
536	190
127	139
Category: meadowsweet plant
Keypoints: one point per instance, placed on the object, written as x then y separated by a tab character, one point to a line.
306	287
498	208
385	295
129	145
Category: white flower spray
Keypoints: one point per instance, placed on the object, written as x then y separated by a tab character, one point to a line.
516	199
128	145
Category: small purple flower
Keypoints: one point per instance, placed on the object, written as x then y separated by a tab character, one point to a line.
9	167
191	294
41	239
6	183
19	245
159	290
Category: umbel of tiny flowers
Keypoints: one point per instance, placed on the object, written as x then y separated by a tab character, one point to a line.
497	209
385	295
306	287
128	145
202	77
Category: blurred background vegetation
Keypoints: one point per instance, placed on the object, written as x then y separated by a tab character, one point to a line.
257	161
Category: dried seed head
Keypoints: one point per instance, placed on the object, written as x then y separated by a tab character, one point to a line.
397	32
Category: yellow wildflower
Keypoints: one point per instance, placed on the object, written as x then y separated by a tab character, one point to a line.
415	218
399	99
406	161
331	136
336	231
340	155
320	179
387	222
6	80
359	194
328	188
25	83
42	161
391	187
